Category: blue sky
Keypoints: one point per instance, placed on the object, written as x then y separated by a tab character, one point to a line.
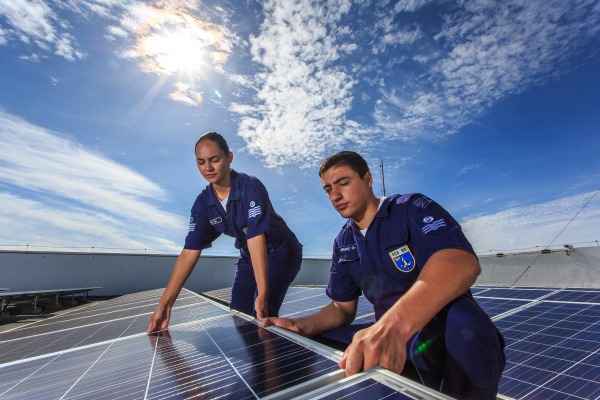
490	108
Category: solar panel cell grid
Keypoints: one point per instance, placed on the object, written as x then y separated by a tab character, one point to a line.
587	296
517	294
12	349
494	307
368	389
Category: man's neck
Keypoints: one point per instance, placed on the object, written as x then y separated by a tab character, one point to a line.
368	215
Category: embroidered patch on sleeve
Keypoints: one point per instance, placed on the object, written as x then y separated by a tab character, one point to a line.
403	258
422	202
254	210
430	225
192	225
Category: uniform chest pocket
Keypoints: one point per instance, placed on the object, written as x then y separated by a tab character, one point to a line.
394	239
400	253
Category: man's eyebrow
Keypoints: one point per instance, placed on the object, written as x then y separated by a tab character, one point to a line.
340	179
336	181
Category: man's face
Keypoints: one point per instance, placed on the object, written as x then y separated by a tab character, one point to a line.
348	192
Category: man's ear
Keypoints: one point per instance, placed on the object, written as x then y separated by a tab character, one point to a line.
369	178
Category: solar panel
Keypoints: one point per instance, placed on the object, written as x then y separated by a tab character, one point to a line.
552	351
516	293
374	384
495	307
207	352
552	346
101	350
14	345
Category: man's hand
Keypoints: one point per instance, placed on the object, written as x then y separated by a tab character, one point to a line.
377	345
160	319
260	305
285	323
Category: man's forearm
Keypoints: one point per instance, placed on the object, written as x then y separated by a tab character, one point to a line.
448	274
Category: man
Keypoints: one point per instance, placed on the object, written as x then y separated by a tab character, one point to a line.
409	258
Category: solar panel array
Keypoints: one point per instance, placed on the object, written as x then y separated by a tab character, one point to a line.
552	341
552	336
102	351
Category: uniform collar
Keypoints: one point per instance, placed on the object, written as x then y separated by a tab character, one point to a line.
234	191
383	209
382	212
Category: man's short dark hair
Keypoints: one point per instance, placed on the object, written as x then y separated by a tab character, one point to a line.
348	158
214	137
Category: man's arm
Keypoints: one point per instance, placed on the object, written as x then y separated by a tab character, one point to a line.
333	315
257	246
447	274
181	271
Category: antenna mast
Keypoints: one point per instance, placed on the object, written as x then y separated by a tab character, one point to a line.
382	178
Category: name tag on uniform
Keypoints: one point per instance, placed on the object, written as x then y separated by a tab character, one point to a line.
403	258
216	221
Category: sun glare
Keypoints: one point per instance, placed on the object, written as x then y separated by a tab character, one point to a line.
175	52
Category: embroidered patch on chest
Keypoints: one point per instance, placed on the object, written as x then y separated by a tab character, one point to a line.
403	258
216	221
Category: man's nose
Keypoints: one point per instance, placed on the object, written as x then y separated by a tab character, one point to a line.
335	194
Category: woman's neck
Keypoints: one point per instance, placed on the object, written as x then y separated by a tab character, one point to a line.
221	191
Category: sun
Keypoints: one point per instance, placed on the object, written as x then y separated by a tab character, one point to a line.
175	51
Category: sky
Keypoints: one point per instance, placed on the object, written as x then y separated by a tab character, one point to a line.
491	108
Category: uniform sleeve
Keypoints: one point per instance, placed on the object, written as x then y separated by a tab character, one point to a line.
432	229
200	233
257	206
341	286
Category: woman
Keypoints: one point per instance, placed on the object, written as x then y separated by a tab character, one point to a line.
237	205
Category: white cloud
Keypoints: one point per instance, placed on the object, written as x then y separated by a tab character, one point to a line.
534	225
65	176
304	93
492	50
3	37
397	36
410	5
35	23
467	169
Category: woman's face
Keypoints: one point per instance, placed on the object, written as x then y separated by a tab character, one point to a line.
213	163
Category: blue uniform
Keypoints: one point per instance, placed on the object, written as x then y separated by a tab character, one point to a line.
460	351
249	214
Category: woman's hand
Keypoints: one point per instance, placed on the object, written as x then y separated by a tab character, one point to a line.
160	319
260	305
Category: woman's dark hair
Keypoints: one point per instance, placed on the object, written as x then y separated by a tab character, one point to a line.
214	137
348	158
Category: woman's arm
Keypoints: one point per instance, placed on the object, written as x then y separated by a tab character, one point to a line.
181	271
257	246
